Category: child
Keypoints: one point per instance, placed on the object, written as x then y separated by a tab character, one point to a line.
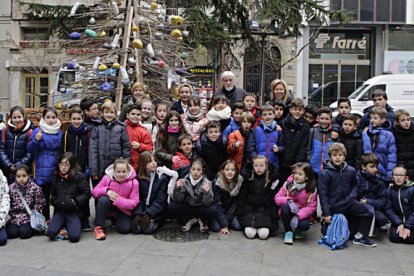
70	193
226	188
344	109
404	140
19	224
185	91
45	145
13	143
147	119
237	145
108	142
193	118
250	104
192	200
219	112
297	201
280	108
167	140
212	148
380	99
4	207
266	139
379	140
257	210
91	110
338	190
400	207
116	192
237	110
350	136
311	113
150	213
186	155
160	112
139	137
319	140
372	188
295	132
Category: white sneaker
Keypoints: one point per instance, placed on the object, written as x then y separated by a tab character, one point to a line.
187	226
203	226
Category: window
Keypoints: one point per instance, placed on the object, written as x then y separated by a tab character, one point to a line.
383	6
368	94
35	34
35	90
367	10
398	10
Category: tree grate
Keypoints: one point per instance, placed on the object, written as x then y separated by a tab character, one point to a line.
174	234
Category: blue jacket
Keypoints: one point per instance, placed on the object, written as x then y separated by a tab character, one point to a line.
337	188
371	187
318	145
232	127
400	205
384	149
261	142
365	119
47	152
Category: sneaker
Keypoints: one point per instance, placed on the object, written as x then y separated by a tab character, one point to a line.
203	226
187	226
288	238
299	235
86	227
365	242
383	228
99	233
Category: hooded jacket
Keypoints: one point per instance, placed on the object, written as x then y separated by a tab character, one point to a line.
139	134
404	141
194	127
127	190
240	154
76	140
371	187
400	204
365	119
233	126
319	141
233	96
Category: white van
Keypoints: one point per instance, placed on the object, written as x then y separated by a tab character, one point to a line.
399	89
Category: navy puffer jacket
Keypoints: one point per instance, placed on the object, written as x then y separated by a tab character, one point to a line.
372	187
400	205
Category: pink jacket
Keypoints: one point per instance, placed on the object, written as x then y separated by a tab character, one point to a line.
194	127
128	197
301	199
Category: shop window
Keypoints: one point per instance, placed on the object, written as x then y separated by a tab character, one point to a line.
382	14
398	10
367	10
400	39
352	6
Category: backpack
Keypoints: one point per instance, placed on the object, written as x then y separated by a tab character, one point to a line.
337	233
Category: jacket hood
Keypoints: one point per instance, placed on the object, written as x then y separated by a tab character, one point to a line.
28	125
110	172
233	188
407	183
385	126
328	165
296	124
354	134
387	107
370	177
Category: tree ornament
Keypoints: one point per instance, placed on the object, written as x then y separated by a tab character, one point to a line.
150	50
102	67
90	33
124	76
114	8
161	63
75	35
137	43
116	65
102	34
176	34
153	6
186	33
134	28
106	86
115	42
92	21
74	8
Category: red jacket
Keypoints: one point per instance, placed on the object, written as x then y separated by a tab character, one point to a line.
257	114
141	135
236	154
184	161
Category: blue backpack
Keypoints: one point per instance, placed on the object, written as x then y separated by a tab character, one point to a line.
337	233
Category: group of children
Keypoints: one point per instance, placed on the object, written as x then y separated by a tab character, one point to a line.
242	167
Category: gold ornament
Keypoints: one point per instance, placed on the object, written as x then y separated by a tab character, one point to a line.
134	28
176	34
116	65
102	34
153	6
137	43
102	67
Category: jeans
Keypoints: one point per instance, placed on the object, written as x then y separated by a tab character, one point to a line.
286	215
24	231
104	206
59	220
3	236
234	224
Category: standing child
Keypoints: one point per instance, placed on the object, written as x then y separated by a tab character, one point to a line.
147	119
400	207
344	109
192	200
185	91
351	137
116	192
13	143
166	144
280	108
226	188
70	193
45	145
4	207
193	118
139	137
379	140
91	110
404	140
186	155
338	191
219	112
19	225
250	104
297	201
160	113
236	111
108	142
257	210
311	113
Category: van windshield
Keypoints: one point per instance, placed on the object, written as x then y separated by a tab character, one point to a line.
355	94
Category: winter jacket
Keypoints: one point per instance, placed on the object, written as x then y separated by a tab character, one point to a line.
222	116
213	153
306	201
227	200
240	154
194	127
400	205
183	166
337	123
33	195
127	190
194	196
353	146
404	141
153	127
318	145
256	205
365	119
261	142
153	195
257	114
164	156
47	152
109	141
4	200
76	140
372	188
69	195
295	140
233	96
177	106
232	127
138	133
92	122
384	149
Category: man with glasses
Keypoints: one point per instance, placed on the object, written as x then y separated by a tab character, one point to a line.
380	98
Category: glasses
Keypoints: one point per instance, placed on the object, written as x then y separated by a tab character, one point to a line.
64	164
399	175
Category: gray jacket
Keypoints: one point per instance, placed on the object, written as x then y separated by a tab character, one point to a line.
233	96
194	195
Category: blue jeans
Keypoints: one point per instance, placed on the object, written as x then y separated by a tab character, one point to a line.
3	236
24	231
286	215
59	220
103	207
234	224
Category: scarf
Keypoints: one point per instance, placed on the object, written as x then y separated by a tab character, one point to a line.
325	130
298	186
80	130
173	129
193	181
49	129
214	115
245	134
24	126
196	117
269	128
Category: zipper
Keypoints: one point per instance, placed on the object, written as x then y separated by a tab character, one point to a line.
76	146
399	201
14	146
323	152
268	145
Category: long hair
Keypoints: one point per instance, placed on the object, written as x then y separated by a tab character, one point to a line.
163	131
74	167
144	158
267	177
223	177
310	176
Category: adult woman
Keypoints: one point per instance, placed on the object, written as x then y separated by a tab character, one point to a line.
278	92
138	93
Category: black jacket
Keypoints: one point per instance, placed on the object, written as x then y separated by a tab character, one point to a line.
353	145
295	136
371	187
404	141
177	106
400	205
337	123
77	142
213	153
70	195
233	96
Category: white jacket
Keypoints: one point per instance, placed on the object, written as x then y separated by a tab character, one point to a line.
4	200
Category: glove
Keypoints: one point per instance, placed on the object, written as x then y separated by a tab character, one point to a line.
293	207
294	222
146	219
136	224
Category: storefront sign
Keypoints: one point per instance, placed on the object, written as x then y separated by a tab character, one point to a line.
338	43
201	70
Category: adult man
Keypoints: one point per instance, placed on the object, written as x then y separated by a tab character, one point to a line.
380	98
229	89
